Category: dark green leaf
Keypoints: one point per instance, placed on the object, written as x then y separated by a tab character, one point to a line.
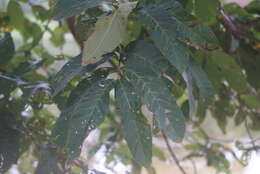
86	113
71	70
9	142
6	48
165	31
201	80
48	162
66	74
136	132
68	8
156	95
206	34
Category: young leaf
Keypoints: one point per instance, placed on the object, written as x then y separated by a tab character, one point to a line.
136	132
109	32
141	70
68	8
86	113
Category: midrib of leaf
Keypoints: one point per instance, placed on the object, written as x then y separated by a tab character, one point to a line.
164	32
133	121
157	24
148	62
113	19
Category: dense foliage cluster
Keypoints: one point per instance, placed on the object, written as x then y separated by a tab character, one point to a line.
181	60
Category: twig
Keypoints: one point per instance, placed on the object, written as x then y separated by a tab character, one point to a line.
117	68
253	22
173	154
236	158
250	135
194	166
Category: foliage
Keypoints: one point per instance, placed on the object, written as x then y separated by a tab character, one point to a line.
178	59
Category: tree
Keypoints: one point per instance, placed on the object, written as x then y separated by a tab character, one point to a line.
177	59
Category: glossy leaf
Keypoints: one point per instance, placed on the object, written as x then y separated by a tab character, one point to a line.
136	132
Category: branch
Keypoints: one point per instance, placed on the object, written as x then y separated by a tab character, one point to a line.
235	30
250	136
71	25
173	154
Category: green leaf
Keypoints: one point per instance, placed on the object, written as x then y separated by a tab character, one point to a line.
252	100
136	132
156	94
109	32
48	162
86	113
230	70
66	74
71	70
206	10
68	8
166	32
201	80
6	48
58	36
206	34
9	142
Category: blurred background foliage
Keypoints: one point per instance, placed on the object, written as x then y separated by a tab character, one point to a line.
33	48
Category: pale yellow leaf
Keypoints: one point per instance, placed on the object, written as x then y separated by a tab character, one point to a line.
109	32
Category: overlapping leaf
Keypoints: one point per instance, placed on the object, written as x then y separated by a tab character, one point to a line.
84	114
166	33
68	8
109	32
136	132
71	70
201	80
171	35
66	74
156	94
